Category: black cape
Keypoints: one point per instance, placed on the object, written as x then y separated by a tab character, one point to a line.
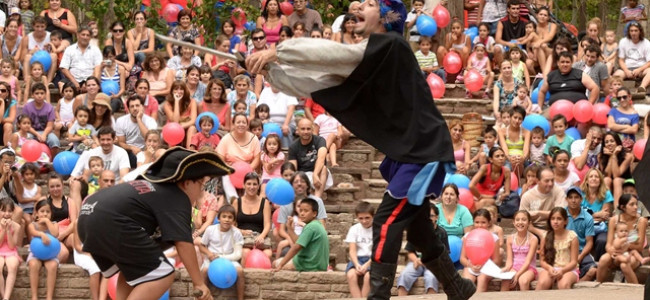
387	102
641	177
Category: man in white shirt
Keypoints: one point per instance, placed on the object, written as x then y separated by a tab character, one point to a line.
115	158
131	129
585	152
281	108
79	60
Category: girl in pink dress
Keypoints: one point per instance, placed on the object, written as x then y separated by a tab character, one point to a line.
9	247
520	257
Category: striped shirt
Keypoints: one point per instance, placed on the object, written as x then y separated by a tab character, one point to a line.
426	61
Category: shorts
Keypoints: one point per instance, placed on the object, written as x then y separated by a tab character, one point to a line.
28	210
575	271
587	263
362	260
409	275
85	262
206	264
31	256
328	183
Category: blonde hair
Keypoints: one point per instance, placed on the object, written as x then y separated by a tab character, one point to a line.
456	122
616	78
602	189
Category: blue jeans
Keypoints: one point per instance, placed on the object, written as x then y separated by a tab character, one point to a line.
51	140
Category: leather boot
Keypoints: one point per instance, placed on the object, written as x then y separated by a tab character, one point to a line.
455	286
381	280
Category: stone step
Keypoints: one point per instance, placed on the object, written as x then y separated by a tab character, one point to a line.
462	106
355	158
336	195
375	188
374	173
349	174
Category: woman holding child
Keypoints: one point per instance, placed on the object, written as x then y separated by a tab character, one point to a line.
253	217
546	31
622	256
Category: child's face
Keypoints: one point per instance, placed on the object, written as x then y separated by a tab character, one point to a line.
622	231
6	213
287	174
39	96
480	52
425	46
574	200
205	77
537	139
632	3
557	221
628	189
531	178
529	28
152	141
263	114
82	117
522	94
489	139
481	222
44	213
37	71
559	126
298	31
24	4
365	219
562	161
616	85
327	33
417	6
305	213
272	146
610	37
240	108
483	32
56	41
505	118
257	131
68	93
6	69
25	124
29	176
521	222
96	167
316	35
457	29
226	220
515	56
225	46
227	29
206	127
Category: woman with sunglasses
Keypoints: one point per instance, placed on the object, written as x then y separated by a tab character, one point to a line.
9	111
124	51
623	119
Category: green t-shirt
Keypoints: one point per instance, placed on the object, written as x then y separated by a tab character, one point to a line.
315	252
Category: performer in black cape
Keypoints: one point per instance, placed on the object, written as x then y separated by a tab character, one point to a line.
641	177
375	89
126	227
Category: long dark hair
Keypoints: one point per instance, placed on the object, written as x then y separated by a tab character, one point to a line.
185	101
604	158
305	178
549	240
265	11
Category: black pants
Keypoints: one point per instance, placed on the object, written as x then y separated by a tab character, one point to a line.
600	241
133	160
393	216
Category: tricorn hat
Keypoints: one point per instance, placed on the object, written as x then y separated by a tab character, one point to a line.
178	164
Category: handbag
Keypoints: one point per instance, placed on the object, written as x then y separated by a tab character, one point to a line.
510	206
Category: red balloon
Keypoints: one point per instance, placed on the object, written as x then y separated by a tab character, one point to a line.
581	173
31	150
274	217
583	111
112	286
473	81
562	107
514	181
173	133
286	8
601	110
241	169
170	13
441	15
45	149
436	85
479	246
452	62
465	198
256	259
639	148
238	17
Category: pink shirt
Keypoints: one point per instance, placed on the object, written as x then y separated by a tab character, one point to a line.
199	140
326	125
232	152
275	173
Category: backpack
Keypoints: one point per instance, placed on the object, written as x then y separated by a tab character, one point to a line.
510	206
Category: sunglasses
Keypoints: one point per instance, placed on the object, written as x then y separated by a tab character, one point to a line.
258	38
624	97
3	90
118	30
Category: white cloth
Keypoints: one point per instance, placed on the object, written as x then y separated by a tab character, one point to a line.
124	126
577	147
85	262
116	160
81	64
336	26
226	244
278	104
635	55
569	181
308	65
362	237
326	125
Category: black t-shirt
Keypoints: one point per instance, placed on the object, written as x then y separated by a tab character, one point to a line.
566	86
512	31
306	155
162	211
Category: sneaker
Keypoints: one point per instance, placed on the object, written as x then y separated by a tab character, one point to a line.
618	276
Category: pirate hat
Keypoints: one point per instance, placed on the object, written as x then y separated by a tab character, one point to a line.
178	164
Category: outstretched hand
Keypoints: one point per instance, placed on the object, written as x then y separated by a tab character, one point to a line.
257	61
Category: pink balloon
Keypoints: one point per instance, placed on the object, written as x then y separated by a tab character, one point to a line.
479	246
473	81
436	85
170	13
514	181
600	113
274	218
241	169
256	259
452	62
31	150
583	111
112	286
581	173
45	149
639	148
238	17
441	15
173	133
286	8
562	107
465	198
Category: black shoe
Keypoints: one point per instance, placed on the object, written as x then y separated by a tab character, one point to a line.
381	280
456	287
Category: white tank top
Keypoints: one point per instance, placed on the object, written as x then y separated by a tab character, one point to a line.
66	113
33	43
29	194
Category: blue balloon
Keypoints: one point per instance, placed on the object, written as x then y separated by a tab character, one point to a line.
110	87
574	133
216	221
536	120
427	26
42	251
534	95
64	162
214	117
472	32
222	273
250	25
548	96
165	296
43	57
272	128
460	180
279	191
455	246
180	7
